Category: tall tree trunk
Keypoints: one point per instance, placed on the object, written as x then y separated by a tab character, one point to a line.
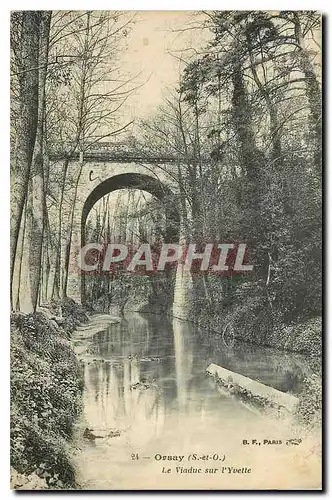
200	227
19	258
313	92
279	184
26	126
249	155
251	160
57	271
191	169
38	203
45	267
70	233
274	128
45	263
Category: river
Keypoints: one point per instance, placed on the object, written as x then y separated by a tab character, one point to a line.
147	397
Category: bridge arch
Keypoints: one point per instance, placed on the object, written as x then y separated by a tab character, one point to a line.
140	181
144	182
109	176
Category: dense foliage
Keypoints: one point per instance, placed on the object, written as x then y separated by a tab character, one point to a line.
46	388
245	124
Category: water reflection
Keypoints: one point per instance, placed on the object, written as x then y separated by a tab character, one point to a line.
132	375
146	393
146	367
183	353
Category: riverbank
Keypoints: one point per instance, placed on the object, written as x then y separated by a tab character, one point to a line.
95	324
303	338
46	396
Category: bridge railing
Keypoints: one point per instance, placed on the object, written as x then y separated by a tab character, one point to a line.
106	154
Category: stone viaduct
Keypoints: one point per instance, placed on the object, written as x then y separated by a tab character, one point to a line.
105	170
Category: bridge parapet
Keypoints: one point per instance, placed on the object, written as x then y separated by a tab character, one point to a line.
107	152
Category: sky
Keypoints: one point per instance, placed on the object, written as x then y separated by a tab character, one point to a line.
149	43
154	35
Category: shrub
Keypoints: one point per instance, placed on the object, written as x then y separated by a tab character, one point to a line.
46	398
309	411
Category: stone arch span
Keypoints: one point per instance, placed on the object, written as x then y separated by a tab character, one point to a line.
144	182
140	181
97	179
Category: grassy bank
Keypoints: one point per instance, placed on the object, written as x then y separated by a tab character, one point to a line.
299	337
309	412
46	397
255	327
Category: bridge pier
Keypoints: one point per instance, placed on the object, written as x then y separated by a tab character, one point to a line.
182	293
183	285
